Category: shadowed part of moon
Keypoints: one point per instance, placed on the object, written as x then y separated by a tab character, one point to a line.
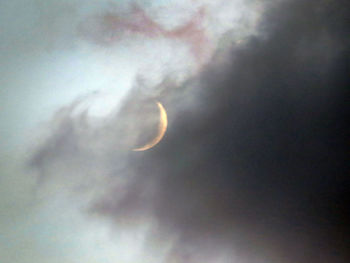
163	124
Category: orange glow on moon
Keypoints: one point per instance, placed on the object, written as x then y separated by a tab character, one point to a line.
163	124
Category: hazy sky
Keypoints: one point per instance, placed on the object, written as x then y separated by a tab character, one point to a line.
252	167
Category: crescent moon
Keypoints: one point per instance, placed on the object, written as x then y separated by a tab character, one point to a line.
162	126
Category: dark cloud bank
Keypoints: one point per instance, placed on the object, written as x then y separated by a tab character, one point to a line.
258	167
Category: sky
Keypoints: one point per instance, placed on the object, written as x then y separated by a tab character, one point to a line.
252	167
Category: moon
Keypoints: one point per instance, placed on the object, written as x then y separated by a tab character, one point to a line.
162	126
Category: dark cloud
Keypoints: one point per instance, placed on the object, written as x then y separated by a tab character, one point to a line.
261	161
256	169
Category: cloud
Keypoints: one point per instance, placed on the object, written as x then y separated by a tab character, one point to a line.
252	168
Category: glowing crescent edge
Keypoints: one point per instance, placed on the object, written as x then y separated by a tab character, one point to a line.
162	126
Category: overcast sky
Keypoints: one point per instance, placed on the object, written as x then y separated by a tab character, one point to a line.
252	167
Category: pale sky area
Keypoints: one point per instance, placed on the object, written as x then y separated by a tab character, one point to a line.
49	59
